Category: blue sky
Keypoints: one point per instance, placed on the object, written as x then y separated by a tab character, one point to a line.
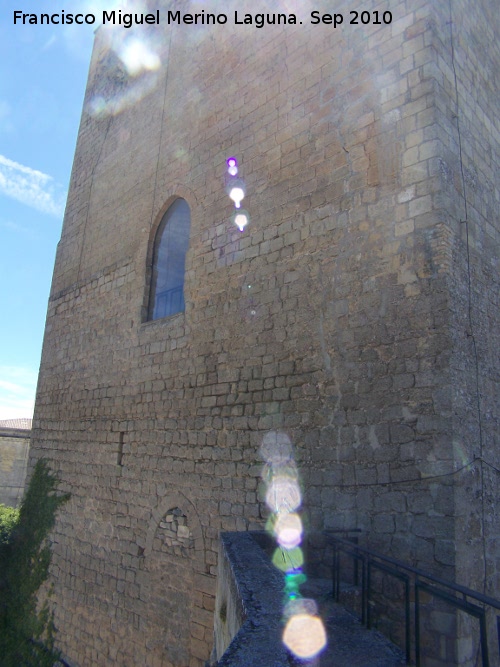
43	72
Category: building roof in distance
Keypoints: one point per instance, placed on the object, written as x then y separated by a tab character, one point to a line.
21	423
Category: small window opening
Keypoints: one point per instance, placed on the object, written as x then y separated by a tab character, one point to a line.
169	262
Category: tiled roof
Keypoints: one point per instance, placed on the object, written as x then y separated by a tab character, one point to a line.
22	423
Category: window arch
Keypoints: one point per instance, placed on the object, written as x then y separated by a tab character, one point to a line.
166	296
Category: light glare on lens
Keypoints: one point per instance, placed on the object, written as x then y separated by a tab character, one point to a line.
288	530
304	635
241	219
288	560
283	495
237	195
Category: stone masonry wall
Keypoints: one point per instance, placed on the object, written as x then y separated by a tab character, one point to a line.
468	103
333	317
471	191
14	447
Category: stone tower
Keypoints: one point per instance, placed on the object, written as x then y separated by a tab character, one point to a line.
357	312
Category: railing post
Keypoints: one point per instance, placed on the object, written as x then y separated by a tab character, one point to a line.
368	616
336	573
453	594
498	634
407	621
417	624
484	641
365	589
356	563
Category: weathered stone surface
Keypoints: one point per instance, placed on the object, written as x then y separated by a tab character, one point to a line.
248	622
14	449
358	312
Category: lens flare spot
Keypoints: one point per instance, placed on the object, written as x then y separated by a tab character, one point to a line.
97	106
288	530
232	166
101	106
461	456
288	560
304	635
276	448
301	606
283	495
293	581
237	194
138	57
241	219
286	469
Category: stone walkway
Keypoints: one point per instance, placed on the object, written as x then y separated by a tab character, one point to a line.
350	644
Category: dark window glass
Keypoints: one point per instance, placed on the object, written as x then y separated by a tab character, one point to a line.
169	261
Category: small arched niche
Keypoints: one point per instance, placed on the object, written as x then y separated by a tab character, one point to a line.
174	532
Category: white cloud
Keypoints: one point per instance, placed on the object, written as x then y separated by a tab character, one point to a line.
31	187
17	392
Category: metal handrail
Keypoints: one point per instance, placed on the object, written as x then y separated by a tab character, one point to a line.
422	581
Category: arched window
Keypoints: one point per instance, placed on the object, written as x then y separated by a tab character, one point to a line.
166	296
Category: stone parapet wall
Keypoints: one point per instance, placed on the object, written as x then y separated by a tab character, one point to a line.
249	606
